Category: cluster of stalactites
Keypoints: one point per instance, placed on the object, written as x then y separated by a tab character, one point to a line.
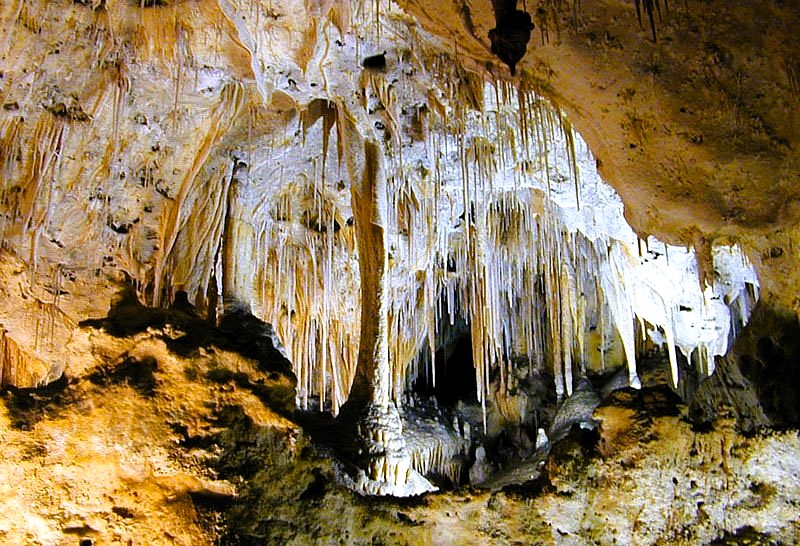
308	282
500	247
537	293
528	287
476	227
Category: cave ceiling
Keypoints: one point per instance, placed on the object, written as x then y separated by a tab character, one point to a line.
127	126
695	121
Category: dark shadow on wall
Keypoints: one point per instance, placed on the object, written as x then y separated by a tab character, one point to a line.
238	331
758	381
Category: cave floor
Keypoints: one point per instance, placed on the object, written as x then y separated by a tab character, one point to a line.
143	445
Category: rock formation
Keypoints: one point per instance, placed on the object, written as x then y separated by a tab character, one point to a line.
312	204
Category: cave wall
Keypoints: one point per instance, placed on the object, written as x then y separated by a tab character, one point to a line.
197	148
143	137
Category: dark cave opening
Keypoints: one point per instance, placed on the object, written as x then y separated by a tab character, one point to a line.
454	370
450	378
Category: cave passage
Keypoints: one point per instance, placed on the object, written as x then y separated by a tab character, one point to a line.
455	371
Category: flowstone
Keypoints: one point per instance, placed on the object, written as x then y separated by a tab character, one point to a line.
380	448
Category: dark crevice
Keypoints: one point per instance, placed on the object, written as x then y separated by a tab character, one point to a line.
454	373
375	62
511	34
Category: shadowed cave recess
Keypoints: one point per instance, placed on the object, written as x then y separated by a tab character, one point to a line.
348	273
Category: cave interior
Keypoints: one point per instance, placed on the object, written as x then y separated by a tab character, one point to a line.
381	272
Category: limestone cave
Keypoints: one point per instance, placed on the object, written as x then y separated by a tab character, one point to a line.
395	272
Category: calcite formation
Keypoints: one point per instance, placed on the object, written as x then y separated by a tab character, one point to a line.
356	174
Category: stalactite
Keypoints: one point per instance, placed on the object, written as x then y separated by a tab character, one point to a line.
18	367
10	131
160	36
201	232
10	155
650	8
488	211
489	217
226	112
437	449
307	294
34	200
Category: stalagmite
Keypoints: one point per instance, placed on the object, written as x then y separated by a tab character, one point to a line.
380	443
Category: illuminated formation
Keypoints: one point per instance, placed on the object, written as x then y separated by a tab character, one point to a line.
358	206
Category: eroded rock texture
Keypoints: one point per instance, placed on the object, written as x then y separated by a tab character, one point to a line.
175	434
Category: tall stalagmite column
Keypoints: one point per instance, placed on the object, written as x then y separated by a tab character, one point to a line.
373	375
379	445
